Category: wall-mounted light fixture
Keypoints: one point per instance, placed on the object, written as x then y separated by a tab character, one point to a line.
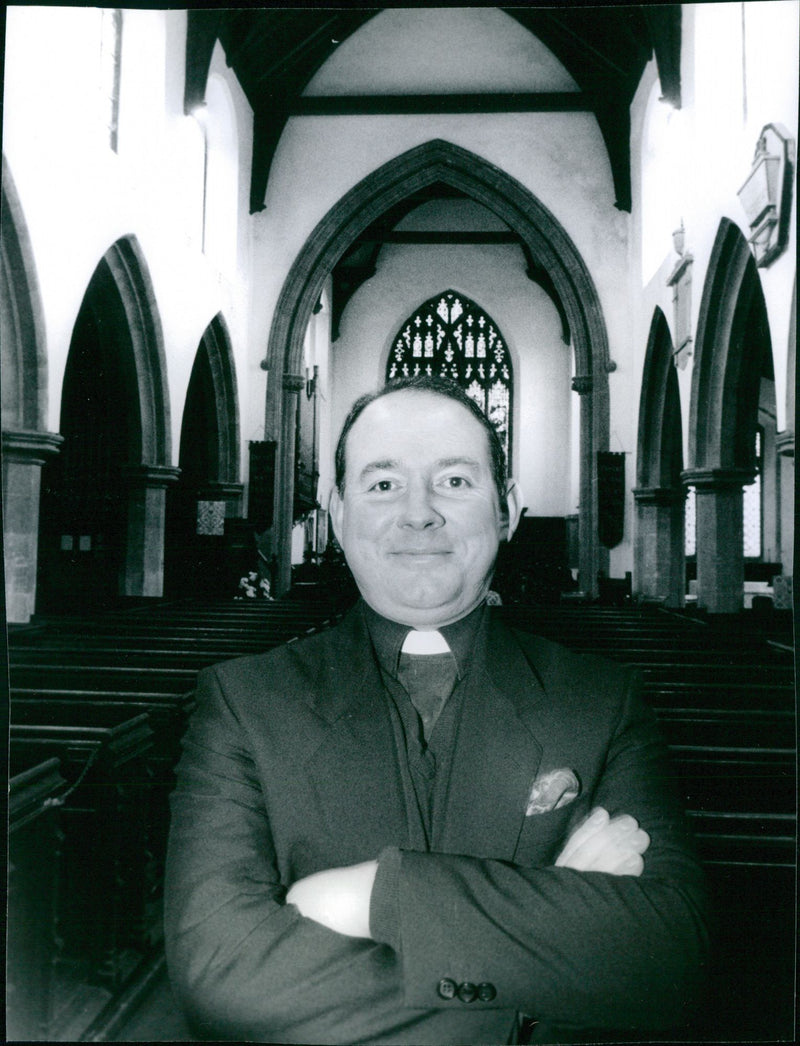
679	239
311	381
766	195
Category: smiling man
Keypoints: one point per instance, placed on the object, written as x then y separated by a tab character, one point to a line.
420	825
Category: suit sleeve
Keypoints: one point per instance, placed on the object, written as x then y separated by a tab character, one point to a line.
244	964
571	948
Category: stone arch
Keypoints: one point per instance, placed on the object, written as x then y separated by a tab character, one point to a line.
108	488
659	451
125	272
732	347
23	376
22	336
216	343
659	495
440	162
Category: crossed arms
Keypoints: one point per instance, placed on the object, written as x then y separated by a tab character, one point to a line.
339	898
573	942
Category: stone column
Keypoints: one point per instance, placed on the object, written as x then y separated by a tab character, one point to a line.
24	453
784	444
591	558
230	493
720	556
293	384
143	573
659	548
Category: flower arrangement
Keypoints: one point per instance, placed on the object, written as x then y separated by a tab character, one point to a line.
252	586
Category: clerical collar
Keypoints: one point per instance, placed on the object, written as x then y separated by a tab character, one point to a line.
388	638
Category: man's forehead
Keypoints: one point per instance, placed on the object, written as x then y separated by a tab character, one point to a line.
390	413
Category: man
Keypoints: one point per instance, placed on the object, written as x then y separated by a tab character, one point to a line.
418	825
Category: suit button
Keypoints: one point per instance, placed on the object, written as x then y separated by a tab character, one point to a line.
467	992
446	988
486	991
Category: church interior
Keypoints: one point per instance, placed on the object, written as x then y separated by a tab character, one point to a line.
222	225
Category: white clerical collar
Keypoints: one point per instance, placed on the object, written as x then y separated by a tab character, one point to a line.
425	643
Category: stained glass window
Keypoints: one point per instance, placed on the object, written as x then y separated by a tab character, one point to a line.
452	337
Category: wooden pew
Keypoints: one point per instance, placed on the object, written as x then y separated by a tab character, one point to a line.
106	915
33	862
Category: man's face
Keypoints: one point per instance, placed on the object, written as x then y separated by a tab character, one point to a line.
420	518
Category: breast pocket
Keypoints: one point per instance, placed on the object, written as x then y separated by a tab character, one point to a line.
543	835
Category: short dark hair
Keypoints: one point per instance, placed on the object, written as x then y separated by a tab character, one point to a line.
441	387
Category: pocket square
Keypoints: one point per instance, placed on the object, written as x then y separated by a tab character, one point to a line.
552	790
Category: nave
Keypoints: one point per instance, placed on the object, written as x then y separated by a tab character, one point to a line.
99	702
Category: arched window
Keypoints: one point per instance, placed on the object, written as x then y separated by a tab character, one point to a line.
452	337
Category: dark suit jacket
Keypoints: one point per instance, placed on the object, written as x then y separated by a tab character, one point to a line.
290	767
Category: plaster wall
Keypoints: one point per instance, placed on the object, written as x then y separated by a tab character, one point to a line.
494	277
319	159
79	197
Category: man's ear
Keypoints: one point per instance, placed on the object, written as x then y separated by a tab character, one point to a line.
513	511
335	509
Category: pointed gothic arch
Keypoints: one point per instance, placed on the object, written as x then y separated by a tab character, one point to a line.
124	274
24	379
218	351
104	500
732	350
22	334
208	490
659	494
441	162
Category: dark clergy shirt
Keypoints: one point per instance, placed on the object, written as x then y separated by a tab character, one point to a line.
426	692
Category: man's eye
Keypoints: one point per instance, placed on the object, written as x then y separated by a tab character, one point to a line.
383	486
457	483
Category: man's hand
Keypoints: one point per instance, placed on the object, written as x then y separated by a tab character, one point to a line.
604	844
338	897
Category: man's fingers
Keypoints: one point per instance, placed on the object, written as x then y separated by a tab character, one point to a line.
595	822
606	845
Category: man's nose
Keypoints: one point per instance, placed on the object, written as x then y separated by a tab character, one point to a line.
418	510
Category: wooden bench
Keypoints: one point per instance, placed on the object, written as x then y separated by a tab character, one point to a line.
107	902
33	860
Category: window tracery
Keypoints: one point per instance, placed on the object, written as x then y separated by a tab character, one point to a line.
452	337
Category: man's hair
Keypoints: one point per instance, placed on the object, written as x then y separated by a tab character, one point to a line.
441	387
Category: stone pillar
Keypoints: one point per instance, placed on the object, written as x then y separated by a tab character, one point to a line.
784	444
293	384
659	547
24	453
230	493
591	558
143	573
720	556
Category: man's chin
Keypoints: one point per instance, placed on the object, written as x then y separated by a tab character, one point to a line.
426	610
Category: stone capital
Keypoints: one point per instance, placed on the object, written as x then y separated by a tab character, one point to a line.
31	447
152	475
220	491
659	496
784	444
294	382
582	384
713	480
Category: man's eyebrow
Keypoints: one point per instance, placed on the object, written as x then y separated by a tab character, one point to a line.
446	463
379	466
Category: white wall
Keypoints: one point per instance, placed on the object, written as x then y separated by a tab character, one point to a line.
494	277
79	197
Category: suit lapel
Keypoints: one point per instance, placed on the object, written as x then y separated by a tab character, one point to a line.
497	753
352	760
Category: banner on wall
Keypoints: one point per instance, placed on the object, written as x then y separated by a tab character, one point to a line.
610	497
